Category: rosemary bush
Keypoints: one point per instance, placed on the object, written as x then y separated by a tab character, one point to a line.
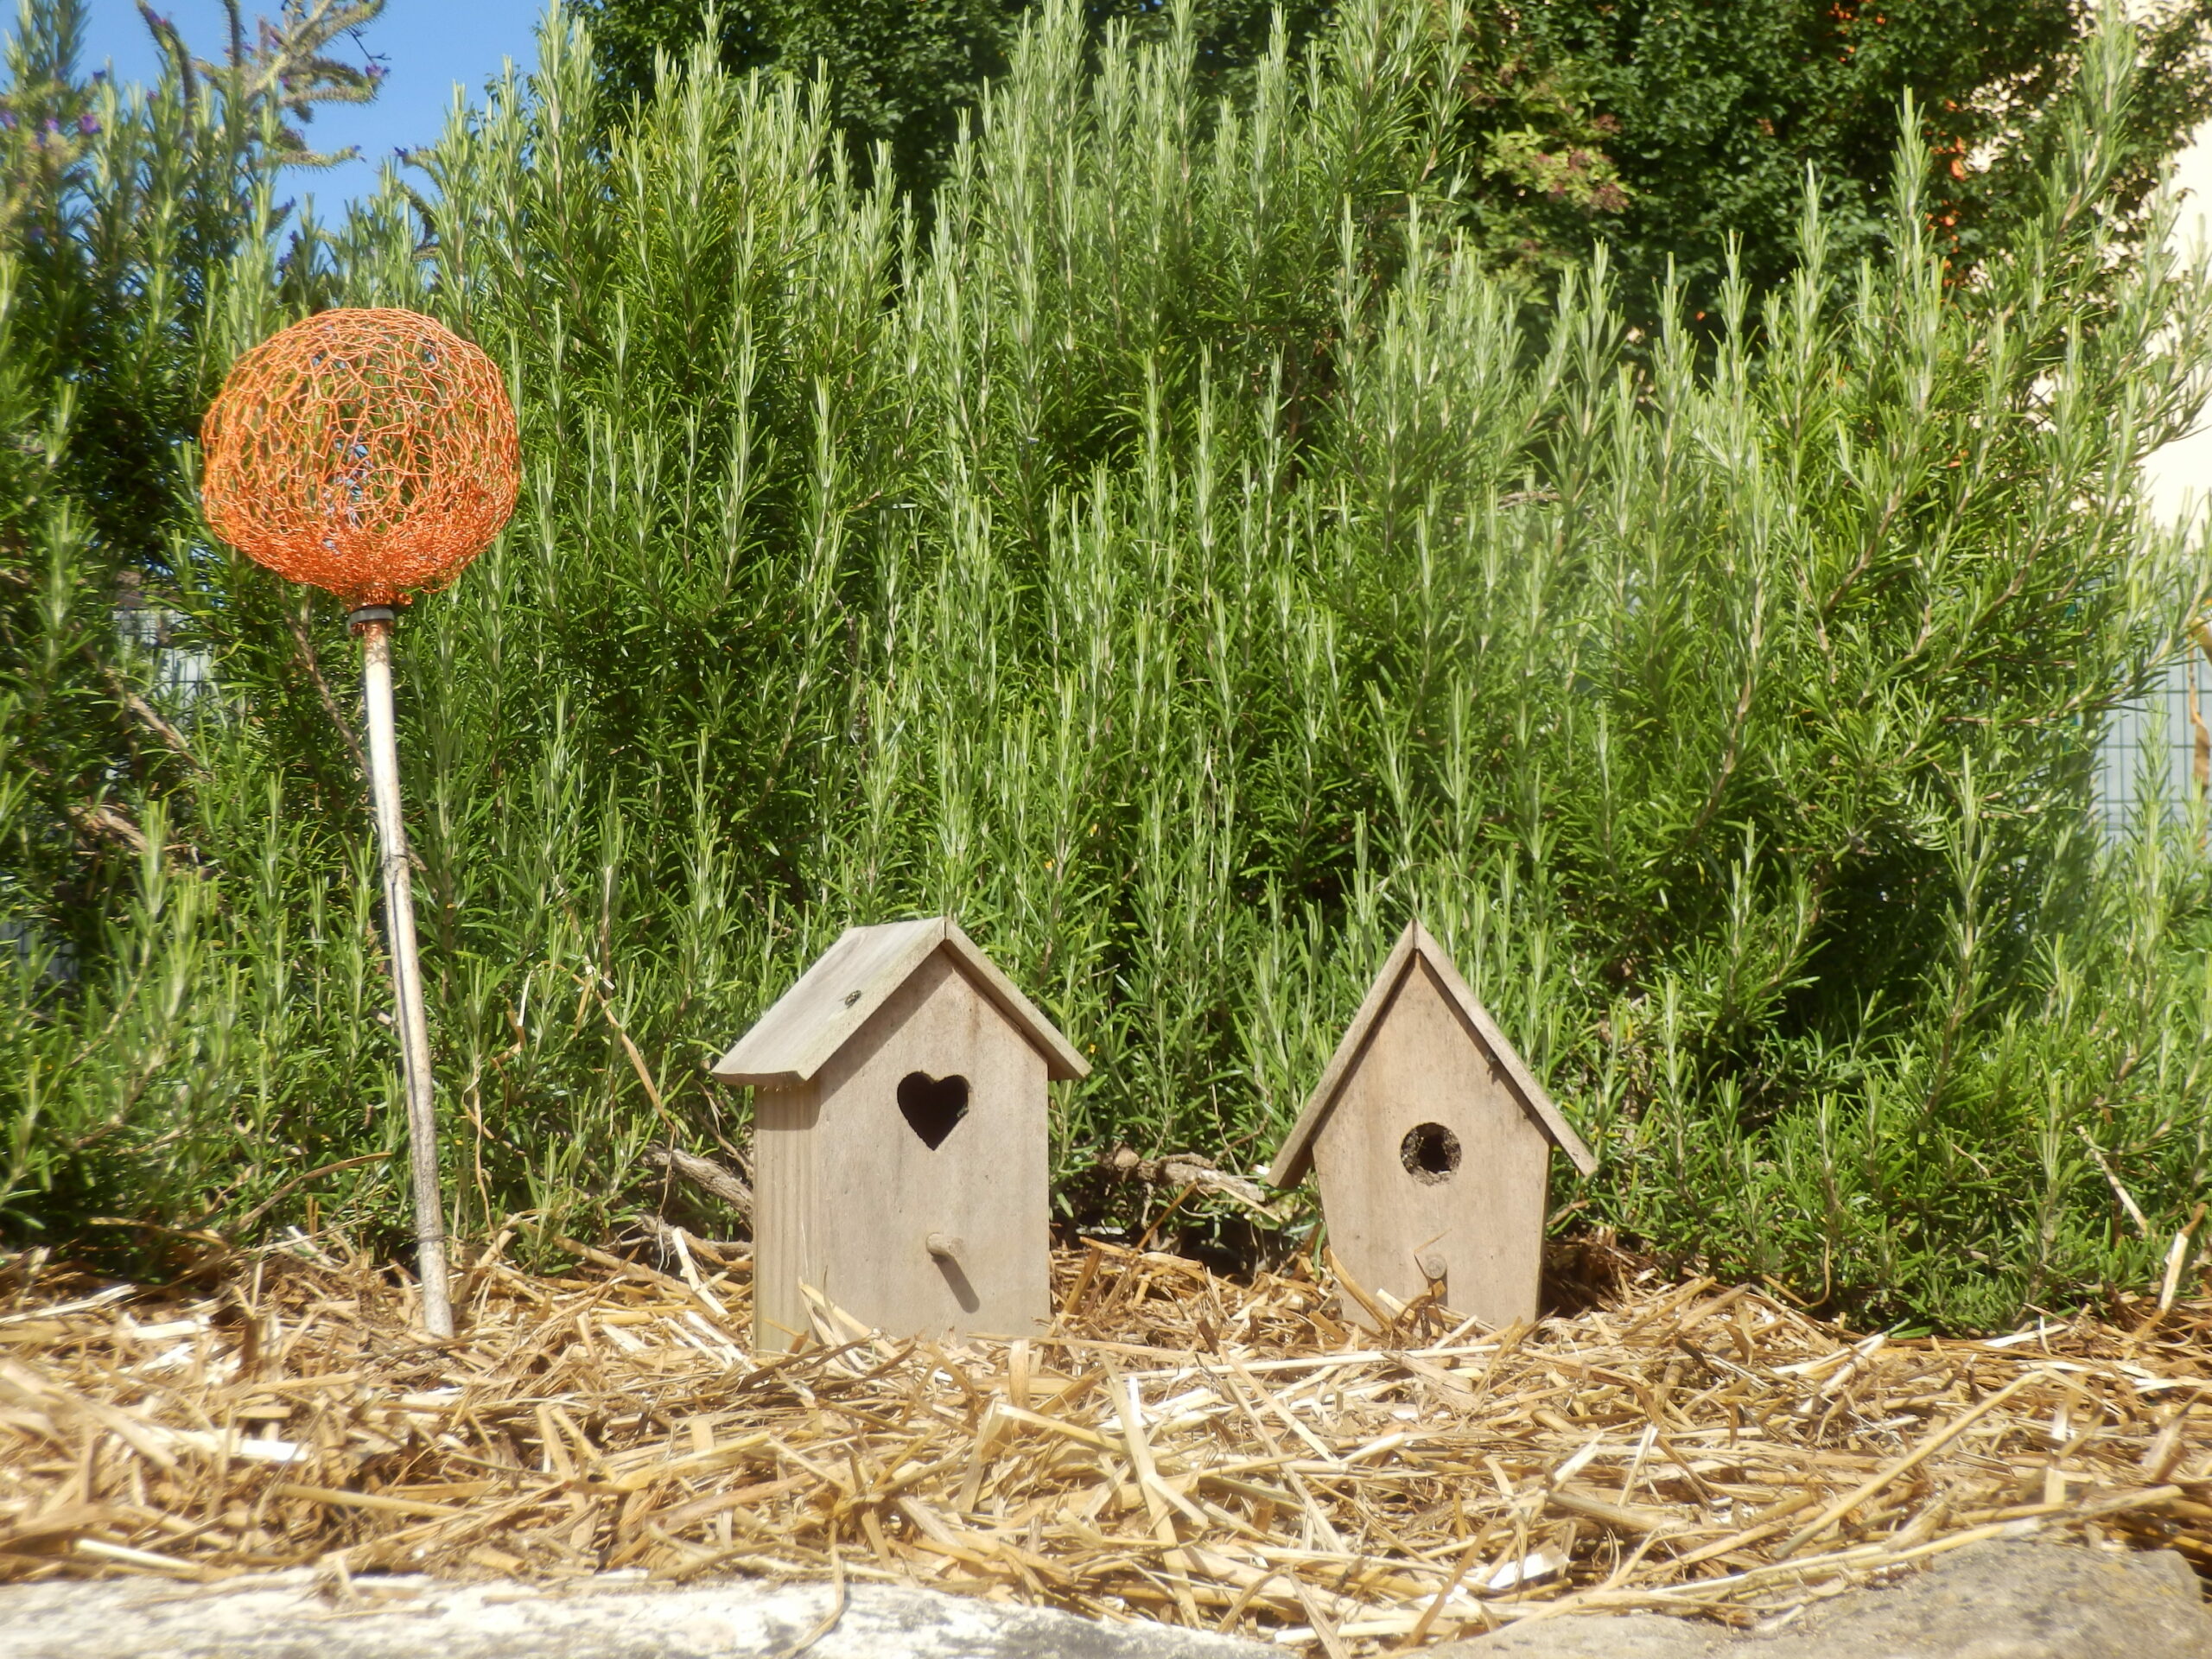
1184	563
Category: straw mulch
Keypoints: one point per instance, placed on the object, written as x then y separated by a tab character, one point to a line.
1179	1448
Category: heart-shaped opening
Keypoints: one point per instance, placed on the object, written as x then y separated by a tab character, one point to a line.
932	1106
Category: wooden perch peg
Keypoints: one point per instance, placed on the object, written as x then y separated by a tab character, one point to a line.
946	1246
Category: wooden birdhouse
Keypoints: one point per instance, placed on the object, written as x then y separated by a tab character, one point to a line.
900	1142
1432	1144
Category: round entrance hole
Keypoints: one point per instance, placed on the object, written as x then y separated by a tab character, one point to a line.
1430	1152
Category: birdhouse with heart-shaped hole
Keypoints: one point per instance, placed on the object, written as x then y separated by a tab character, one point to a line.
1431	1143
901	1140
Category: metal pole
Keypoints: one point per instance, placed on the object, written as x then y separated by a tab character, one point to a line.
374	624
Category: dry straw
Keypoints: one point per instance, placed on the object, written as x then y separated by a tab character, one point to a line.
1178	1448
371	453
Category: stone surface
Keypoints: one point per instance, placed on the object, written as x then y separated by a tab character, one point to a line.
2021	1600
288	1615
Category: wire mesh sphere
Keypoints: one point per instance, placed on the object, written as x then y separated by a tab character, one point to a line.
369	452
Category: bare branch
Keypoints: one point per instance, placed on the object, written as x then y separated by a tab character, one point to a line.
709	1177
1187	1169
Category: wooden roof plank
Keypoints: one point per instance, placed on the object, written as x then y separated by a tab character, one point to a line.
830	1001
851	979
1062	1063
1295	1156
1533	1094
1291	1162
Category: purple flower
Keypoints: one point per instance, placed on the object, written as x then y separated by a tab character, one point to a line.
53	127
88	124
8	119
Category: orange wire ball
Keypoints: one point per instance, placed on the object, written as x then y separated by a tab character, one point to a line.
369	452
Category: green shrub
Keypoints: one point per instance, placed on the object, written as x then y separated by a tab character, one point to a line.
1184	565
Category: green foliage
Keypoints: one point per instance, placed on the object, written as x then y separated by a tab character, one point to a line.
136	238
903	74
1714	110
123	220
1662	130
900	73
281	68
1185	561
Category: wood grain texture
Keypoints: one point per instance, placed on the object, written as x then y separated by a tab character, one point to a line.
1533	1096
1062	1063
848	1196
785	1247
831	1002
1420	1065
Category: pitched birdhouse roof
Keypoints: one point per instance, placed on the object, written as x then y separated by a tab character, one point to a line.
853	978
1414	947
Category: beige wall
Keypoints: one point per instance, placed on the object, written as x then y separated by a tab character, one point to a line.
2181	474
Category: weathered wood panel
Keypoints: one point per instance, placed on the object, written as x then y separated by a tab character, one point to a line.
1483	1222
849	982
881	1193
785	1236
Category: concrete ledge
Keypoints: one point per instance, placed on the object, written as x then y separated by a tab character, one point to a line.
2025	1599
288	1615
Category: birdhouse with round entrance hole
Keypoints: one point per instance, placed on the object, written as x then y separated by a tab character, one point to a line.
901	1141
1431	1145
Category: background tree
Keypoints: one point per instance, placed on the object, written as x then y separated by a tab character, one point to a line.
1661	129
283	65
1716	110
903	72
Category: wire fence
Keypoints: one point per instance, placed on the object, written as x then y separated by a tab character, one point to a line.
2160	749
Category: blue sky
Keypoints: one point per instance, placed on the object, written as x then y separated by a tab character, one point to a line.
428	45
